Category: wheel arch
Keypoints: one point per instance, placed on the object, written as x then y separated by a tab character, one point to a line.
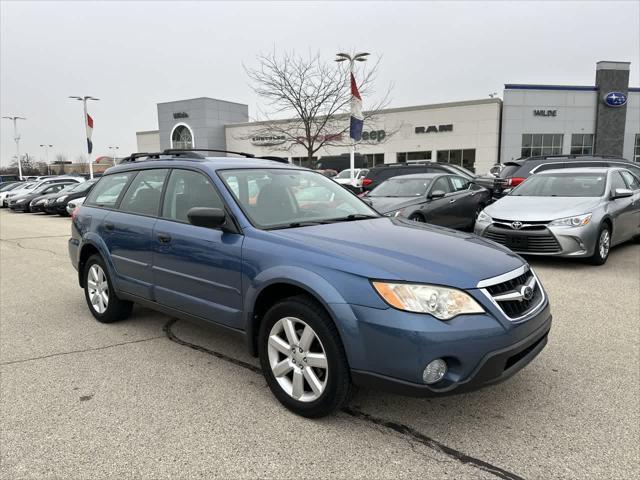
92	246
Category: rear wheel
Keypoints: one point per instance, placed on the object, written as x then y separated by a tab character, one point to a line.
105	306
603	246
302	358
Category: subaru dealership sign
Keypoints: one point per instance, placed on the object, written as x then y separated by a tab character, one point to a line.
615	99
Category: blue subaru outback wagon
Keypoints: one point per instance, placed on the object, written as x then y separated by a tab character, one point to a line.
328	293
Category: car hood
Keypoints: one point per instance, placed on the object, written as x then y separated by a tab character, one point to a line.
399	249
537	209
389	204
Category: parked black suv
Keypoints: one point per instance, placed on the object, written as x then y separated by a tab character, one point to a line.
515	172
379	174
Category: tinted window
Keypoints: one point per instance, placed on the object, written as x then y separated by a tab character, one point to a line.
562	185
631	180
187	189
402	187
509	169
441	184
617	182
143	195
108	189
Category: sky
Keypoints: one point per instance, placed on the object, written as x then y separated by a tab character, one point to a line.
132	55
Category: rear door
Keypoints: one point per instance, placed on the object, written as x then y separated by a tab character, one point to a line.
196	269
129	230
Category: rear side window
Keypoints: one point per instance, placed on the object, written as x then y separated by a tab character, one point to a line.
509	170
143	195
108	189
187	189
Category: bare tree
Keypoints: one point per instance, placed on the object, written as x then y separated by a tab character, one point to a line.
315	95
61	158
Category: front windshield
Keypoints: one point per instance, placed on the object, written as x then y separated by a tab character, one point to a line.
562	185
402	187
345	174
279	198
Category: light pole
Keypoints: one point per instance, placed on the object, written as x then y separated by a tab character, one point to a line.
356	102
113	153
46	155
16	138
88	124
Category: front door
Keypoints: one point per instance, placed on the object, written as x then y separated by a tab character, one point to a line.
196	269
441	211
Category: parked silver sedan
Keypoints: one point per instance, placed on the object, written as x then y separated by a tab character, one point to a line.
573	212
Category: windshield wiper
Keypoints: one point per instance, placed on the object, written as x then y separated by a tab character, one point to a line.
306	223
352	217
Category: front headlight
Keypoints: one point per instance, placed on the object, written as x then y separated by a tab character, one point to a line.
22	200
441	302
577	221
62	198
483	217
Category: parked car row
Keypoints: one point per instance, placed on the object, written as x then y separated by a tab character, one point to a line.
50	194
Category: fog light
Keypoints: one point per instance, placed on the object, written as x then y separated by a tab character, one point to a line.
434	371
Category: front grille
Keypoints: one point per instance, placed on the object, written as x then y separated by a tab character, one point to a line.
540	242
520	307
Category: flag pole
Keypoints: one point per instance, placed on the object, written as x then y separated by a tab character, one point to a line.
86	123
352	153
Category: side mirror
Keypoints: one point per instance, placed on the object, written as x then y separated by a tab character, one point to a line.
437	194
206	217
366	200
622	193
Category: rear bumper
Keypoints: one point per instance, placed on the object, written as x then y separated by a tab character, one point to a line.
495	367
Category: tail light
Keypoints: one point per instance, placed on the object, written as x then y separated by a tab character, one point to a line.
366	182
75	212
515	181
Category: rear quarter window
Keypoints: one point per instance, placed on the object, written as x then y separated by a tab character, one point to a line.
108	189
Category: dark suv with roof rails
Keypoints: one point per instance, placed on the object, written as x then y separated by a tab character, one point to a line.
380	173
514	172
325	291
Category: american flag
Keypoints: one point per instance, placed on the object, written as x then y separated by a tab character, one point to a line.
357	119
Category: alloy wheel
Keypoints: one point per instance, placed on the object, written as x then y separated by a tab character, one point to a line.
604	243
98	288
297	359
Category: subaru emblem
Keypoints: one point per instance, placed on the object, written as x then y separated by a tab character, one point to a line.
516	225
615	99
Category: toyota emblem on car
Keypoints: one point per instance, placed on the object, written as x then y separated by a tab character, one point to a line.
516	225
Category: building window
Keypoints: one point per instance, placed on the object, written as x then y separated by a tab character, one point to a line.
636	149
582	144
304	161
181	137
536	144
403	157
373	159
464	158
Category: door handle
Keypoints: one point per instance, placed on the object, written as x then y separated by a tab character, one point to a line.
108	226
164	238
452	200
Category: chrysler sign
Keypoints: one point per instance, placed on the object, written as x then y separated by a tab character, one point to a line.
265	140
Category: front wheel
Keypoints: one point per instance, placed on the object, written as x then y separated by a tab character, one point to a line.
303	359
603	245
105	306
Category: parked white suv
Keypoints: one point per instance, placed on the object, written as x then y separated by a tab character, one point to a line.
344	177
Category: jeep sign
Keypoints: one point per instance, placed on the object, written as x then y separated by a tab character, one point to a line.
375	135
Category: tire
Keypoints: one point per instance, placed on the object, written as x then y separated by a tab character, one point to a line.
115	309
333	381
600	251
416	217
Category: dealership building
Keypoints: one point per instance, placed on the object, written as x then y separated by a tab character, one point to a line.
530	120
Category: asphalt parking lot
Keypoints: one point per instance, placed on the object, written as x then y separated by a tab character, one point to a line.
152	397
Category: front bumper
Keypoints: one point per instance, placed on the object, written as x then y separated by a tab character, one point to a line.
550	240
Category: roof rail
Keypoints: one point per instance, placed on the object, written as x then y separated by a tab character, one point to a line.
174	151
192	153
572	156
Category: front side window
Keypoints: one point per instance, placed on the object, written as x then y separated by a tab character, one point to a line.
188	189
459	183
280	198
617	182
582	144
562	185
632	180
143	195
442	185
537	144
402	187
108	189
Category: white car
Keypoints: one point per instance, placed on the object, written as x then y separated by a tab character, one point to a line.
29	186
73	204
344	177
23	188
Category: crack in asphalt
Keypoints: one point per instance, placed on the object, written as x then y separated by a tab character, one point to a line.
16	241
12	362
409	434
